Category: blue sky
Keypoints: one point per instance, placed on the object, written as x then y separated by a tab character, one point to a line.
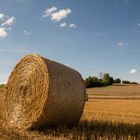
91	36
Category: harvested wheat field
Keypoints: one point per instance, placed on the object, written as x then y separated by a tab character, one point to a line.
103	118
118	103
120	110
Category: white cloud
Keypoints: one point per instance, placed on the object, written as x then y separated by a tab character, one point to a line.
139	24
6	24
1	16
27	33
121	44
49	11
56	14
133	71
72	26
63	24
9	21
59	15
3	33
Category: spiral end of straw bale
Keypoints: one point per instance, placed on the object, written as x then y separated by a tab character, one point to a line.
42	92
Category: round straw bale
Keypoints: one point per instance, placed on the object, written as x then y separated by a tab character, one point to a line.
41	92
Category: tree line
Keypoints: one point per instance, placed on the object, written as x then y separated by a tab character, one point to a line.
105	80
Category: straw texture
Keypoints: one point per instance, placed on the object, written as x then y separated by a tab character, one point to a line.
41	92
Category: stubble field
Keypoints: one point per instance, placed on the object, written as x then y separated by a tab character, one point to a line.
114	103
111	113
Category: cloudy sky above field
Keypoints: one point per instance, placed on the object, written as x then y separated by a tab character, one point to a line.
91	36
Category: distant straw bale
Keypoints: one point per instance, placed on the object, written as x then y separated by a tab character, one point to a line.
41	92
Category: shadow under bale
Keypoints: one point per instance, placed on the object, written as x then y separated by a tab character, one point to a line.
96	130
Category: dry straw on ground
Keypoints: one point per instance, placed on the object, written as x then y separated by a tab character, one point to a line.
42	92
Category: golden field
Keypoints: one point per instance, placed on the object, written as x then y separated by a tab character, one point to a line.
114	103
110	113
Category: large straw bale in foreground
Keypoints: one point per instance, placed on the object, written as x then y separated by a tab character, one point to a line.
42	92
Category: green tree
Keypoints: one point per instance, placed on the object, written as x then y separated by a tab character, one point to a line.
96	82
89	82
125	82
101	83
111	81
117	80
133	83
107	80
